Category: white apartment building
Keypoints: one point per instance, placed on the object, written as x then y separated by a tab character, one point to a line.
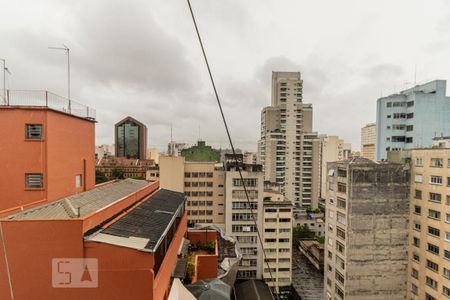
239	222
286	144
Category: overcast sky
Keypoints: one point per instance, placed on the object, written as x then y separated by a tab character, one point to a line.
142	58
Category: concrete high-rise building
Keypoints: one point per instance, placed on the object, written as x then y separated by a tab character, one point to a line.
238	214
286	134
368	140
412	118
174	148
429	222
277	236
131	139
367	230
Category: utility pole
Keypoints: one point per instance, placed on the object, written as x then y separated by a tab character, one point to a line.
67	51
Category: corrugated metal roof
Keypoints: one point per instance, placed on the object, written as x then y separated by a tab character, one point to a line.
144	226
83	203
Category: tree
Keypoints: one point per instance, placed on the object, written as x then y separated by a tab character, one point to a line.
300	233
117	173
100	177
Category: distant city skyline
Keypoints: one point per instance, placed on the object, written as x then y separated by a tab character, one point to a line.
155	72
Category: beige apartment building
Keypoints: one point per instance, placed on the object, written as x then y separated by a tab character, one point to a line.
277	235
368	140
286	144
429	225
202	183
331	149
366	230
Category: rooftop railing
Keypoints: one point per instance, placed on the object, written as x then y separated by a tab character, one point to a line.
47	99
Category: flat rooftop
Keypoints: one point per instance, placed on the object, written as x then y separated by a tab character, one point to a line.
82	204
144	227
46	99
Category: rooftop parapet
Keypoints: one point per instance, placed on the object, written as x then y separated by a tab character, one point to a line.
45	99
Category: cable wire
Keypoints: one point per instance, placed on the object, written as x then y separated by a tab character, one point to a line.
235	157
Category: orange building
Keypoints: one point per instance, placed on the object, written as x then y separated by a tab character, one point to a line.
62	237
46	153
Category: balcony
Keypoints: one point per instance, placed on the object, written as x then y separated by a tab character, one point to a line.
45	99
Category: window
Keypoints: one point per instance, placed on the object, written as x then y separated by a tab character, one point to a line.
33	131
432	266
389	104
341	203
435	179
399	115
247	182
447	236
446	291
418	194
431	282
416	242
417	209
342	187
417	226
429	297
187	174
446	254
446	273
414	289
78	181
437	162
340	247
410	115
433	249
448	181
418	178
434	197
434	231
341	218
340	232
416	257
339	277
409	139
415	273
34	180
447	218
409	127
434	214
419	162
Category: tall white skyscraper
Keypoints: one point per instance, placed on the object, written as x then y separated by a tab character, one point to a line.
287	141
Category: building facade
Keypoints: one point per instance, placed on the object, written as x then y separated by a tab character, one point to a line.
131	138
203	184
239	221
331	149
48	154
368	140
429	222
412	118
121	167
366	235
286	134
277	236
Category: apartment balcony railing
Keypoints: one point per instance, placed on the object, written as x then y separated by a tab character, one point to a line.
35	98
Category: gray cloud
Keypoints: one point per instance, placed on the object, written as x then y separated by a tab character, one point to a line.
141	58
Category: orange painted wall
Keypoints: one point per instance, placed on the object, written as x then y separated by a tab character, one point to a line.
123	273
206	266
162	281
67	150
31	246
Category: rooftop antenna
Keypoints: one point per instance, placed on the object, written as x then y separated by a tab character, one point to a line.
4	78
67	51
